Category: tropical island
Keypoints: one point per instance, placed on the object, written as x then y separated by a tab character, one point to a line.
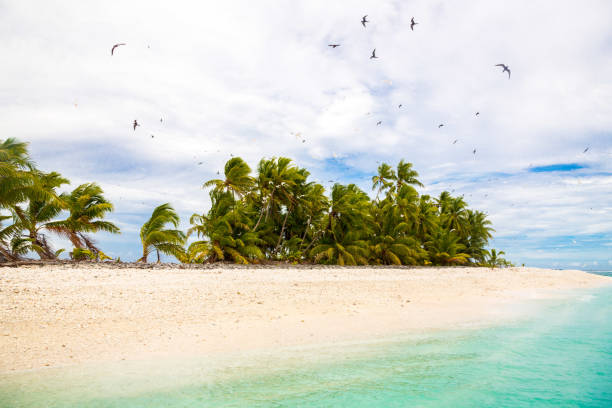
276	214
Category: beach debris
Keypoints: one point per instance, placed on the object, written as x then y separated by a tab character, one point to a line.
115	46
412	23
505	69
333	45
135	124
373	54
364	20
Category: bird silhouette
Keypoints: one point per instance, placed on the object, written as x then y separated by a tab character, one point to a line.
399	106
333	45
303	140
152	136
477	113
135	124
440	125
115	46
379	123
412	23
364	21
161	120
474	151
505	69
586	150
456	140
373	54
200	163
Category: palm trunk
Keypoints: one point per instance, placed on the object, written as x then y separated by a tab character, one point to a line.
6	255
44	252
258	220
306	229
269	204
314	239
145	255
157	250
280	237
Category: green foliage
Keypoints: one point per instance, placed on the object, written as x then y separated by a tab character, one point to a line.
154	235
493	259
276	214
280	215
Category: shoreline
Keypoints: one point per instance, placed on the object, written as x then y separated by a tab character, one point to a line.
64	315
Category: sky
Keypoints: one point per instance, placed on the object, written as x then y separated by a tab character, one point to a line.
207	80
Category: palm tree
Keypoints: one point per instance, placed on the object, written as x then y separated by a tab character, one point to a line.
237	178
425	219
276	178
18	181
87	206
384	179
478	233
155	237
455	216
6	253
349	251
406	175
494	259
445	249
38	214
227	228
347	222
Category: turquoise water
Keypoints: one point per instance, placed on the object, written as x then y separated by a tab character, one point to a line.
561	356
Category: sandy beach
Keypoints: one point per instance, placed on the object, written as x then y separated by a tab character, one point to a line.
66	314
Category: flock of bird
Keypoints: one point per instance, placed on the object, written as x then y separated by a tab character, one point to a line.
364	22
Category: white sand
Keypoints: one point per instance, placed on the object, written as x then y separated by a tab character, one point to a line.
59	315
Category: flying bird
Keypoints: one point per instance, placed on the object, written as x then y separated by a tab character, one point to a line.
152	136
373	54
135	124
115	46
477	113
440	125
161	120
505	69
586	150
364	21
333	45
379	123
456	140
399	106
474	151
200	163
412	23
303	140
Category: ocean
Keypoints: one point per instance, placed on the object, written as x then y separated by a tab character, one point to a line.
560	355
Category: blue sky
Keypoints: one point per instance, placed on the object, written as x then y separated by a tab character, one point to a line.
244	80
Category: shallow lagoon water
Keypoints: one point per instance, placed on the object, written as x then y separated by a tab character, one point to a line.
560	355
